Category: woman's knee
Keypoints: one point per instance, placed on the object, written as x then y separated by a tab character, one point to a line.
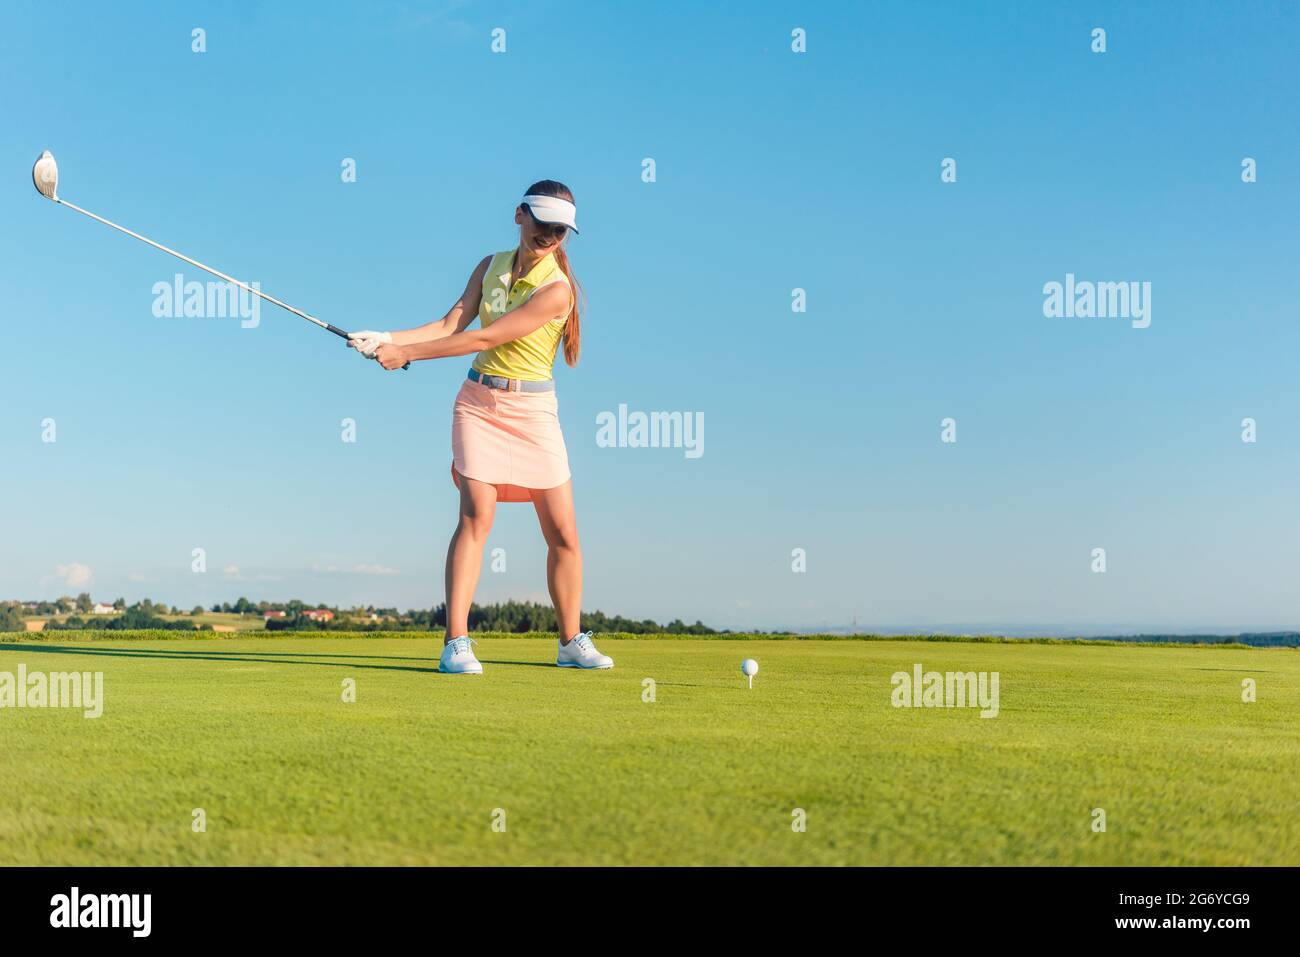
476	523
564	537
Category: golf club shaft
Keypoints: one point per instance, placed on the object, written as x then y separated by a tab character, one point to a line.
171	252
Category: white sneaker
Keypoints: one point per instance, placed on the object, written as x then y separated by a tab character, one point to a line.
581	653
458	658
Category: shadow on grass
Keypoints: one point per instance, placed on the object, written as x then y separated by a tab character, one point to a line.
280	658
269	657
192	654
525	664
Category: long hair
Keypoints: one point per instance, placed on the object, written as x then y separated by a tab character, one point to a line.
573	326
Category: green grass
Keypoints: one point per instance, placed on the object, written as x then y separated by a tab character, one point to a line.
254	731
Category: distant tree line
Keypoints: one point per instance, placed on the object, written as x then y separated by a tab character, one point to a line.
521	616
243	606
1267	639
131	619
295	615
11	617
511	616
65	605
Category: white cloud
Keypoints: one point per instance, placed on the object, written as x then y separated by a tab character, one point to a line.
231	569
374	570
73	575
438	16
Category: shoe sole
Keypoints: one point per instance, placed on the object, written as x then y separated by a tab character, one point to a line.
569	664
447	671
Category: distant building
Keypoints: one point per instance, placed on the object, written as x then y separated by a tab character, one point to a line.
273	614
99	608
322	614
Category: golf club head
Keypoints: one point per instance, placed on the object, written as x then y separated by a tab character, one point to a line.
45	174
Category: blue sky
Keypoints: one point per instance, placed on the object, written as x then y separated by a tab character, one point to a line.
775	170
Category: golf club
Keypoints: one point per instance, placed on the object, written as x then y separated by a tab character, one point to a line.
45	174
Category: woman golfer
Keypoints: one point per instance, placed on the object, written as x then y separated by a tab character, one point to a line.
505	429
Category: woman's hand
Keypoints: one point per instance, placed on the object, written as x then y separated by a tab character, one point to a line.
392	357
367	341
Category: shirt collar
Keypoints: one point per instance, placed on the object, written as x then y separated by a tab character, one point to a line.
534	275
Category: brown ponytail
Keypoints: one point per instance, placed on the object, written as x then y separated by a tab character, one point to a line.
573	326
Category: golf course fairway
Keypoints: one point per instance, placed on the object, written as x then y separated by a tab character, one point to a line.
252	739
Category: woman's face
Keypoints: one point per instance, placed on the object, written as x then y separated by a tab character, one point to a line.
538	237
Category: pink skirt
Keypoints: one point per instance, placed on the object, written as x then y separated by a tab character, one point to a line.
508	439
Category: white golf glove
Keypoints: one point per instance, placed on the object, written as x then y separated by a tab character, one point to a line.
367	342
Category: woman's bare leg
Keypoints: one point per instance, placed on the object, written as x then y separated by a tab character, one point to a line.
478	505
563	555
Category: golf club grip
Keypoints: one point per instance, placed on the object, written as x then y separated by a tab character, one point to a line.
347	335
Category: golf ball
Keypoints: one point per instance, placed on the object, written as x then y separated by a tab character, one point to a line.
749	667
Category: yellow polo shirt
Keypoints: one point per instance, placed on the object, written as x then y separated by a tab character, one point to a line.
532	356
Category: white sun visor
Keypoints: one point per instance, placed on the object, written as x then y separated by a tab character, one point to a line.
552	209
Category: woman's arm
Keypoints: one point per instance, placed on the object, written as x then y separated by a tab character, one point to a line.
546	304
458	316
